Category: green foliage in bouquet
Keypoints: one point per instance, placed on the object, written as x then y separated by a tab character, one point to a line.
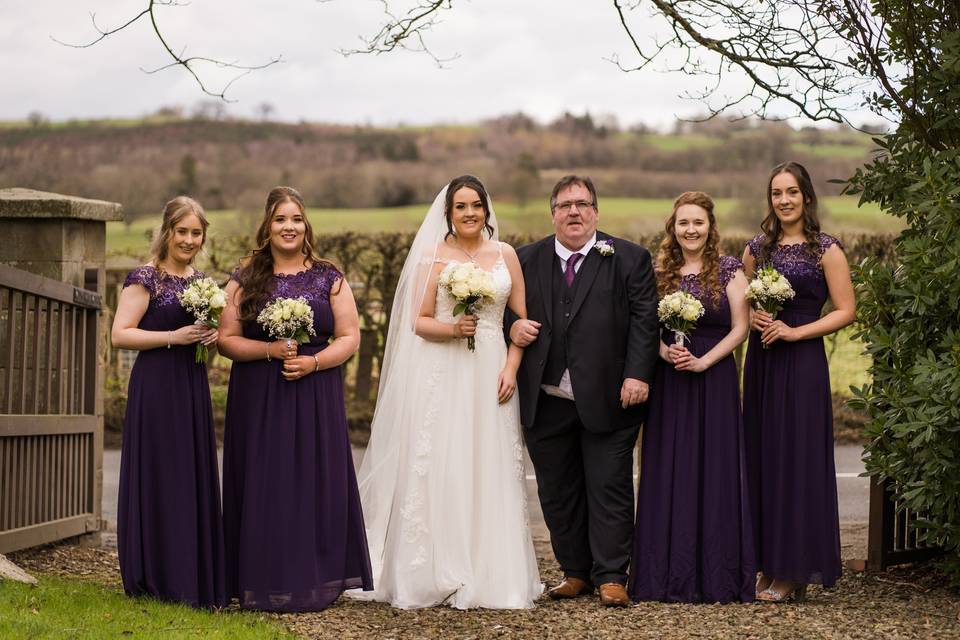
909	313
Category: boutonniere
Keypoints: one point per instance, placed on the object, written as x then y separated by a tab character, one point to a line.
605	247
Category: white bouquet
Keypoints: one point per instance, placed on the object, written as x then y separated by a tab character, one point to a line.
768	290
679	311
290	318
470	286
205	301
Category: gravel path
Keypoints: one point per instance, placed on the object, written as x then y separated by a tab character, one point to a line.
905	603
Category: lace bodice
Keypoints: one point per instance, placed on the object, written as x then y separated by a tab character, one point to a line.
163	287
716	314
490	315
314	284
804	271
164	312
715	322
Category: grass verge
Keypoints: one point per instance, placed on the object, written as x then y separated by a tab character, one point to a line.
64	608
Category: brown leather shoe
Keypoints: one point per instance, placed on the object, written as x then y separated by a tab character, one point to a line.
614	594
570	588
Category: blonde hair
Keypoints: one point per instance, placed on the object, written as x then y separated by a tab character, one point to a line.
173	212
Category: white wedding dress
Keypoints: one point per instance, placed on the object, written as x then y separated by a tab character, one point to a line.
445	506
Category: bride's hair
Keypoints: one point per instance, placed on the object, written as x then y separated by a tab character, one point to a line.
470	182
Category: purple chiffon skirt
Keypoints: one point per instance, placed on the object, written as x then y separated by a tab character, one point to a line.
169	528
693	540
788	418
295	537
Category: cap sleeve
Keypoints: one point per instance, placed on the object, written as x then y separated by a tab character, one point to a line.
145	276
328	278
827	241
754	245
729	266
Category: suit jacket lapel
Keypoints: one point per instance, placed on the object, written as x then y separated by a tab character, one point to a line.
544	273
585	277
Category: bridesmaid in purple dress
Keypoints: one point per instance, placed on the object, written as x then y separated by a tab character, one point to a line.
693	539
169	528
787	407
294	529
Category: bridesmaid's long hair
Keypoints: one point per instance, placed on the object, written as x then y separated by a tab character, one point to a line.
470	182
670	254
173	212
771	226
256	270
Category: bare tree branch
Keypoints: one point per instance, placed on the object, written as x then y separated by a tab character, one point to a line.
783	48
189	63
406	31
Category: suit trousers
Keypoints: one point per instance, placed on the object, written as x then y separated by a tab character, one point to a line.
585	484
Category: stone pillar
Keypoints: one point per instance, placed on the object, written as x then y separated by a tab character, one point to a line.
56	236
63	238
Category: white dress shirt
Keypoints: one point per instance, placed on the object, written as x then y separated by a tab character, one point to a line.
565	388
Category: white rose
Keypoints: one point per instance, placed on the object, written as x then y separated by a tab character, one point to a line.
218	300
444	278
461	272
460	290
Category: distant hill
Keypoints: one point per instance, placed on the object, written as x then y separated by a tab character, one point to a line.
231	164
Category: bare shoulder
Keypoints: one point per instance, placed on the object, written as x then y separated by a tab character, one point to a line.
833	256
443	251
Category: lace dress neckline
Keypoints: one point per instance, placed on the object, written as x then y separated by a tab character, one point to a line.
493	267
166	274
297	273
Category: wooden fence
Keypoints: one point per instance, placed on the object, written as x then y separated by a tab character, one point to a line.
50	444
894	537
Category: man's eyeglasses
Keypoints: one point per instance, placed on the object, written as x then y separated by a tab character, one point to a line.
581	205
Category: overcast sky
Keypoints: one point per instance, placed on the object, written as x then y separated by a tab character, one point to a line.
542	57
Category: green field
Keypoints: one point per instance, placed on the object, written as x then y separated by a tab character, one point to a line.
831	150
619	216
62	608
848	363
666	142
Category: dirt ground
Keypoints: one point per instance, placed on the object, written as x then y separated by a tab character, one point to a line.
908	602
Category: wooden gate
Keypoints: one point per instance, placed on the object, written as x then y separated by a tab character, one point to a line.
51	441
893	537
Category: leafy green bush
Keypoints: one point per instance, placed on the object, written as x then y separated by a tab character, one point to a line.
910	313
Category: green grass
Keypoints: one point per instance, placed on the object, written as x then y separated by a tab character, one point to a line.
829	150
619	216
62	608
848	363
102	123
666	142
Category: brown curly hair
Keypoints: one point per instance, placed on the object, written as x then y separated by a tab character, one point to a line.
256	270
771	226
670	255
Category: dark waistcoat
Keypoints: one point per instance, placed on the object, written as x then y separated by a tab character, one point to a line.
562	303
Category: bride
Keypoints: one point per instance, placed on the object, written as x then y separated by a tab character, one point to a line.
442	480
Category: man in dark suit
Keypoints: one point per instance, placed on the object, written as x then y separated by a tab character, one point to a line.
590	348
